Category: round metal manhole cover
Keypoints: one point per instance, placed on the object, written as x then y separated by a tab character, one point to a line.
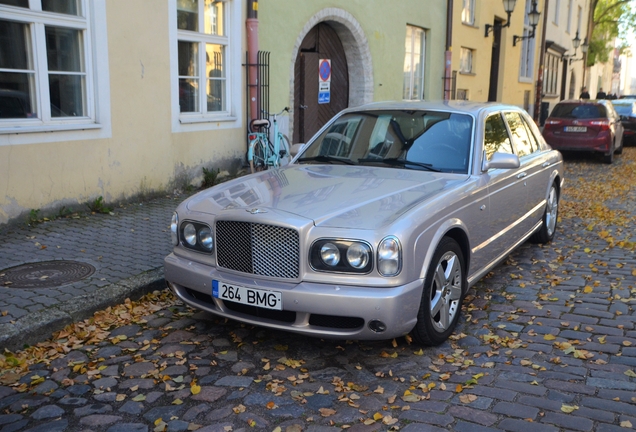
45	274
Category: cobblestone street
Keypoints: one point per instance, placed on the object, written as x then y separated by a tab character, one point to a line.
546	342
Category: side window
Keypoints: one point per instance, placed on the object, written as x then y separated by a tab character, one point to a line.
496	137
520	138
533	139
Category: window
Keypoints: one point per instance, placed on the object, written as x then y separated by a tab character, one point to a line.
569	24
468	12
551	77
46	67
462	94
527	49
414	63
202	51
521	137
466	60
496	136
557	7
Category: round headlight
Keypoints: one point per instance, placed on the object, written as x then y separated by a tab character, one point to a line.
330	254
389	257
190	234
174	225
205	238
358	255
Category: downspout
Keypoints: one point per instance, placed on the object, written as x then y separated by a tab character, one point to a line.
539	90
252	57
449	50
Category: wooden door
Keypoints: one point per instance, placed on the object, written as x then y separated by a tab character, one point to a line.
322	42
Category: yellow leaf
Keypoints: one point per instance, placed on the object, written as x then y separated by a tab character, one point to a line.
549	337
158	421
626	424
459	388
419	353
569	408
630	373
195	389
377	416
467	398
177	402
588	289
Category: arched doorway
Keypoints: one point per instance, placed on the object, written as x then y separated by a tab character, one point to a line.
322	42
359	64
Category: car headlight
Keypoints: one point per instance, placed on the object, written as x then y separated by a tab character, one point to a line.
341	255
389	256
174	225
197	236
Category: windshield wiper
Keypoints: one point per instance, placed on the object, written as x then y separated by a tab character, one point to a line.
400	162
324	158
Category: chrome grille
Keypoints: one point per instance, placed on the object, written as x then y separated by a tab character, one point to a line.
259	249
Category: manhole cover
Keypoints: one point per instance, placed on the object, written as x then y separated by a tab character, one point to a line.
46	274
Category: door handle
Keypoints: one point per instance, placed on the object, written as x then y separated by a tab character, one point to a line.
546	164
522	175
304	107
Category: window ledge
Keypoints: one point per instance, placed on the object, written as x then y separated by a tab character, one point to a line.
472	25
468	73
48	128
193	120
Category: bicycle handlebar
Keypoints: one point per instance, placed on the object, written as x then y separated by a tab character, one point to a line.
286	109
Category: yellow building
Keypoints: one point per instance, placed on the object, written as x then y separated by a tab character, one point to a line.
122	99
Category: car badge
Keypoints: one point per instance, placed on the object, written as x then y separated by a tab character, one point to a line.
255	211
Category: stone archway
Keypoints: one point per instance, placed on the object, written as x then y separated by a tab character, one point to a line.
357	53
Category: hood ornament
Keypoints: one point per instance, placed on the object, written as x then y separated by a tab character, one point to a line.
255	211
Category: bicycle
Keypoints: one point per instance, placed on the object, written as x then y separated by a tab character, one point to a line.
262	153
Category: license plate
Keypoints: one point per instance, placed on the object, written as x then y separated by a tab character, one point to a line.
247	296
575	129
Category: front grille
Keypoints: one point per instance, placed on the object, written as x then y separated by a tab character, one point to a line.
271	314
264	250
334	321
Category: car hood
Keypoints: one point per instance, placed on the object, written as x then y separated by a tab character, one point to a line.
330	195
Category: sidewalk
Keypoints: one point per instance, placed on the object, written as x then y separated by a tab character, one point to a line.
126	251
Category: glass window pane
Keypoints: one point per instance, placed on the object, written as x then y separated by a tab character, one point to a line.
17	95
215	70
67	94
18	3
68	7
188	15
520	137
63	49
188	59
188	95
15	52
214	18
496	137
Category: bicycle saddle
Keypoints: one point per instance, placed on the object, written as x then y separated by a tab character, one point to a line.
259	123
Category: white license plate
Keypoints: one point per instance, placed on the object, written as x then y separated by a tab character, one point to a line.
575	129
247	296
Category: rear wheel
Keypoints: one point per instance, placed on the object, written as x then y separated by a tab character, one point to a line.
619	150
444	288
608	159
258	157
550	216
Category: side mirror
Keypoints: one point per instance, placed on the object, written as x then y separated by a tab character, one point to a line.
296	148
500	160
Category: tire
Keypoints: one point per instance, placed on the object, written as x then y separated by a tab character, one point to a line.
550	218
608	159
619	150
258	157
444	289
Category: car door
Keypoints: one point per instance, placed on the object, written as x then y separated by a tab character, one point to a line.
532	171
507	196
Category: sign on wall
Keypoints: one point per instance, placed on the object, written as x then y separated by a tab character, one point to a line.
324	81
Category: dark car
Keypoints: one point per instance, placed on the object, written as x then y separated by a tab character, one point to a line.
585	125
626	109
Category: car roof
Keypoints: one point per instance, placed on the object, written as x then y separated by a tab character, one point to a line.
583	101
459	106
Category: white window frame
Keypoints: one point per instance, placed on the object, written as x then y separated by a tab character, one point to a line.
551	74
526	64
466	60
412	62
96	123
230	118
468	12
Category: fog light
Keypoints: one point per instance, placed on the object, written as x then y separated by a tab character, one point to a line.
377	326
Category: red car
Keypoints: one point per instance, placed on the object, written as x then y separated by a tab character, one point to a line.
585	125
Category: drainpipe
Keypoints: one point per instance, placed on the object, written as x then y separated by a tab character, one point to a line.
539	90
448	53
252	56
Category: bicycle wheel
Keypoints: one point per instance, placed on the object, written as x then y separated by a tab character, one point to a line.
285	149
257	163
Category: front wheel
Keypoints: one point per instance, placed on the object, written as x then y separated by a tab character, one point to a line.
444	288
550	216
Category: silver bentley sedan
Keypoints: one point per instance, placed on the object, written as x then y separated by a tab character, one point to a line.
377	227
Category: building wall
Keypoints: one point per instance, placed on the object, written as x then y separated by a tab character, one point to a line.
511	87
377	24
137	149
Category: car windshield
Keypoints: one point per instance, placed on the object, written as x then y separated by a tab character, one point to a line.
579	111
430	140
624	109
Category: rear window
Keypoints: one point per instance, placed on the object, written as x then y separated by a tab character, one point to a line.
624	109
579	111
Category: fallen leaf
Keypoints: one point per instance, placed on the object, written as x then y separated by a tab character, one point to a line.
569	408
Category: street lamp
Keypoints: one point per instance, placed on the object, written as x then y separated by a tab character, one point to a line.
509	7
533	20
576	42
584	48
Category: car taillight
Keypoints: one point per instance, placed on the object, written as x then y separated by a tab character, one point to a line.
603	124
551	123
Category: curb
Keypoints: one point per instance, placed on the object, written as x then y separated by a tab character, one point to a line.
38	326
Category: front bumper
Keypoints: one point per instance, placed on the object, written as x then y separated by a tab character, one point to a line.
314	309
